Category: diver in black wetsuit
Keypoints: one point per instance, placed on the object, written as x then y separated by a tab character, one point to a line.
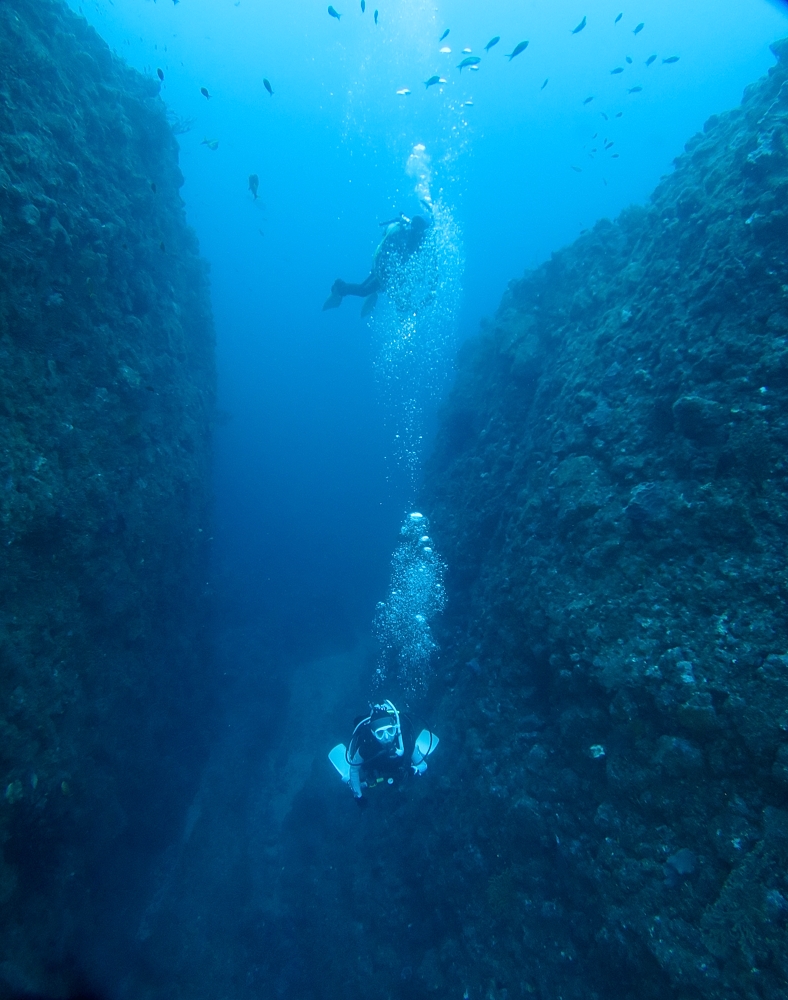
402	239
382	749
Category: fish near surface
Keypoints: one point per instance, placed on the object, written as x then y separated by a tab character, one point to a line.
520	47
492	41
580	26
333	13
268	87
469	61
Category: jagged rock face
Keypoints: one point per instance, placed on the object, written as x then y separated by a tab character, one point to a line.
106	400
610	491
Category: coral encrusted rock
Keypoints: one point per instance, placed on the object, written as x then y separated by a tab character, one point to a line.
106	406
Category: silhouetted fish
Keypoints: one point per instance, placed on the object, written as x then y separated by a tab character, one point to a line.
469	61
618	19
492	41
444	35
363	5
254	184
520	47
160	74
333	13
639	28
618	69
580	26
205	94
671	59
268	87
545	83
650	60
376	17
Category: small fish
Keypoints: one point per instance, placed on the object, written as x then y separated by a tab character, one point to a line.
650	60
618	19
433	80
254	184
614	156
363	5
469	61
445	50
545	83
160	74
492	41
588	100
577	170
618	69
604	115
376	17
403	93
444	35
153	186
580	26
634	90
268	87
520	47
628	59
619	114
333	13
205	94
670	59
639	28
609	144
210	143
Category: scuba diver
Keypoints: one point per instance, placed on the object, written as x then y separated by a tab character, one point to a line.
401	240
382	750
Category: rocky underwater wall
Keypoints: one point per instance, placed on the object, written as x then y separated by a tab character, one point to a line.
607	812
610	490
106	404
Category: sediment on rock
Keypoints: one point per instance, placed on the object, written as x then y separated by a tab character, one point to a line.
107	398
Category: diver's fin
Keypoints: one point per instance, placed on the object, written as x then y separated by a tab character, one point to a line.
369	304
338	758
334	301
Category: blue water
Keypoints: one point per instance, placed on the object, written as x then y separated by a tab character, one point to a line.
324	432
308	486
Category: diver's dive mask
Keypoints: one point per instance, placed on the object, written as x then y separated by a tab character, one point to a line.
385	731
386	727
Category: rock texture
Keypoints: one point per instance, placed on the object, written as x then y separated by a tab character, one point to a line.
610	489
607	813
106	402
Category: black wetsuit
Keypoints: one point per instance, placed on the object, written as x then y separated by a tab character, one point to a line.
399	244
379	760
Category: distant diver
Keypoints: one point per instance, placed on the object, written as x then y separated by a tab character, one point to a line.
402	239
382	751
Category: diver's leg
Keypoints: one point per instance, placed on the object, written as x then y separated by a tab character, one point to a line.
369	285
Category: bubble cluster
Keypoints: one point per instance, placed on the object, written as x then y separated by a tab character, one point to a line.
416	594
414	326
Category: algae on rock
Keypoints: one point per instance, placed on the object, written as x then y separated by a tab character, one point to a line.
106	404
